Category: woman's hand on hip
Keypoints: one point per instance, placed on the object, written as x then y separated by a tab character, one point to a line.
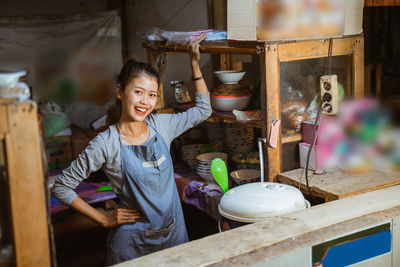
121	216
194	49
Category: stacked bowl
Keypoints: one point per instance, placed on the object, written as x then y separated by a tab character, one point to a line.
204	161
230	95
189	154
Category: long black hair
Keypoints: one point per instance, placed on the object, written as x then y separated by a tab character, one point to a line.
132	69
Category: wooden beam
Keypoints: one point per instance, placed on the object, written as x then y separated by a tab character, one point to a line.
378	3
349	76
315	49
270	69
27	197
219	15
358	67
225	62
3	120
152	56
378	80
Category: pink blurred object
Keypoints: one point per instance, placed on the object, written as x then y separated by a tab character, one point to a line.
321	158
329	132
329	135
350	110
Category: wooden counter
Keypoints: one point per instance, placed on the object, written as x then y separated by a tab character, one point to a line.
269	243
337	184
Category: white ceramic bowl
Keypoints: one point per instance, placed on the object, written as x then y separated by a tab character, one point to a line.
229	76
245	176
229	103
208	157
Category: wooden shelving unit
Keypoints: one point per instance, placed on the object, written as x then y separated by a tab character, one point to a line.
271	54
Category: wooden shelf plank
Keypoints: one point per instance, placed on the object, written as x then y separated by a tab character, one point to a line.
208	47
222	114
315	49
289	138
288	49
378	3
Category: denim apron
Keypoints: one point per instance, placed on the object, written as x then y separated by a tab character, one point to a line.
149	187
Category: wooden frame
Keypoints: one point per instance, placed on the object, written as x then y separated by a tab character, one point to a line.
271	54
19	131
270	72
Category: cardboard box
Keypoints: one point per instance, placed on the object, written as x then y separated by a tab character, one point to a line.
315	162
58	150
80	139
293	19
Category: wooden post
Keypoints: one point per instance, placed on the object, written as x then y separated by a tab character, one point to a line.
349	74
237	65
378	80
225	61
270	88
152	56
358	67
219	14
27	195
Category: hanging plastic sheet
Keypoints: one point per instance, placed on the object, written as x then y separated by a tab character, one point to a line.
72	60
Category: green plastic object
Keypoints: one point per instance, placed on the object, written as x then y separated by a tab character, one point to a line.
340	91
105	188
220	173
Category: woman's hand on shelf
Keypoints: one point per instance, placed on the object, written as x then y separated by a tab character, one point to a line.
194	49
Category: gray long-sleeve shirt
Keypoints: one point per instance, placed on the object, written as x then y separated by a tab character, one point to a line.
104	150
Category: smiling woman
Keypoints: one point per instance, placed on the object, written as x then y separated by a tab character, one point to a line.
134	154
137	96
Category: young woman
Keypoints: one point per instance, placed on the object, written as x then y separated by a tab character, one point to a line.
134	153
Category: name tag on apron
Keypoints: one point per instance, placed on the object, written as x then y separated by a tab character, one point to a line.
154	164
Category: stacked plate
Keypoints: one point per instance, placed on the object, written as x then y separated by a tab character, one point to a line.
189	154
215	131
204	161
239	138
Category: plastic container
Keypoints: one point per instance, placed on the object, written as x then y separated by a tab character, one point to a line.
180	92
260	201
10	87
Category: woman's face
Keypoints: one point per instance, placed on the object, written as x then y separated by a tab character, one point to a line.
139	97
